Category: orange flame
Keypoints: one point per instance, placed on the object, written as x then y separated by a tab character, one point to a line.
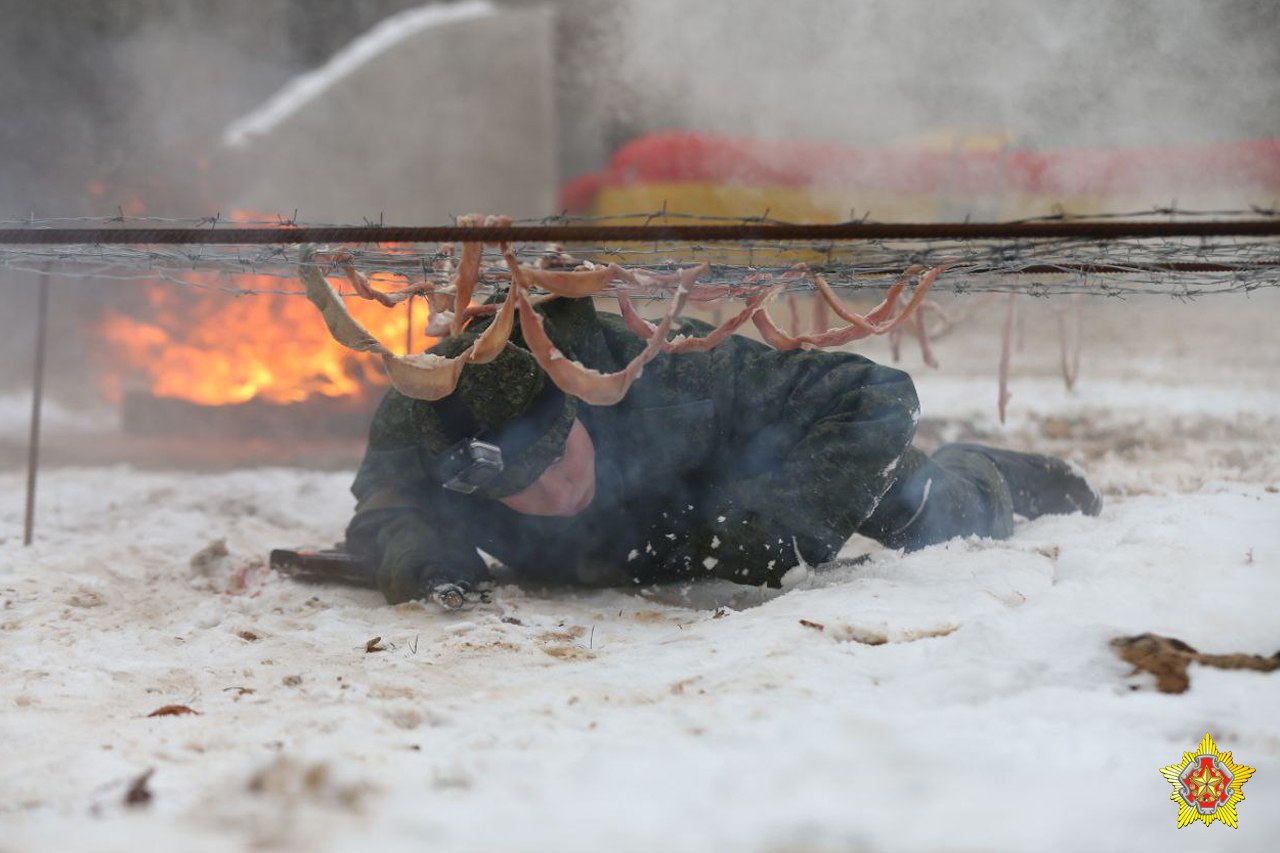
215	349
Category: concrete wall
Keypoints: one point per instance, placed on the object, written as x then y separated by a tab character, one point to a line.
458	118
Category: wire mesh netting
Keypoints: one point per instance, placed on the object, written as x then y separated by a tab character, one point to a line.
1205	257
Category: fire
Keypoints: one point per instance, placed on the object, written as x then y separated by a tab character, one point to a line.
213	348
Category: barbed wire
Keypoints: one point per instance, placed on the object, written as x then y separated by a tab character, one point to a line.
1183	267
646	216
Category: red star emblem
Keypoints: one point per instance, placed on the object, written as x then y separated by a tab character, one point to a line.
1206	785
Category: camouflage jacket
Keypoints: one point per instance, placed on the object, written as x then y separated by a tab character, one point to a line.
724	463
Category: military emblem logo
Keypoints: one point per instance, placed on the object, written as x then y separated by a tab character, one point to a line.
1206	785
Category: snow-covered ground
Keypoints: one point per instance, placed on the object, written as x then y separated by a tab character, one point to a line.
964	697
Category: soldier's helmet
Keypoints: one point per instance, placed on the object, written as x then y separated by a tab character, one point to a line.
501	428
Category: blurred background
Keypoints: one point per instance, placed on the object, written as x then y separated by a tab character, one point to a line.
401	112
127	104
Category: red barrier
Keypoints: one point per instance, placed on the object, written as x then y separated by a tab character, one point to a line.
675	157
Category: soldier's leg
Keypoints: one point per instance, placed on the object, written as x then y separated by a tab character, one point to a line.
1038	485
932	500
966	489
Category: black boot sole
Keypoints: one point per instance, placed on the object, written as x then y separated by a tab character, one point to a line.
1038	485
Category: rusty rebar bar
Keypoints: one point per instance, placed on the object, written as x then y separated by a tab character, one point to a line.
1082	230
37	399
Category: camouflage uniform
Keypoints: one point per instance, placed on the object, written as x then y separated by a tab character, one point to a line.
728	463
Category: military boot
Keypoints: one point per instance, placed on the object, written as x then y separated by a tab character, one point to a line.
1038	485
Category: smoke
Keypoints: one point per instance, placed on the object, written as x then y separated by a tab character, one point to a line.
113	111
1051	74
134	95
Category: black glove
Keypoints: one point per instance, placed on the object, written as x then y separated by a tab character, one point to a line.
454	594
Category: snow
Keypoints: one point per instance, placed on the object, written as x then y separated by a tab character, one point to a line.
305	88
963	697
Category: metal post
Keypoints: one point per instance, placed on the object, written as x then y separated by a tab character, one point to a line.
37	397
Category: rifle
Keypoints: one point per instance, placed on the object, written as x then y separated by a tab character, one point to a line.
330	565
334	565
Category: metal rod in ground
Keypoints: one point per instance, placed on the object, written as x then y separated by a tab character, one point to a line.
37	398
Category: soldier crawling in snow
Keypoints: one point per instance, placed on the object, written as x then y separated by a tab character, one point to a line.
737	462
